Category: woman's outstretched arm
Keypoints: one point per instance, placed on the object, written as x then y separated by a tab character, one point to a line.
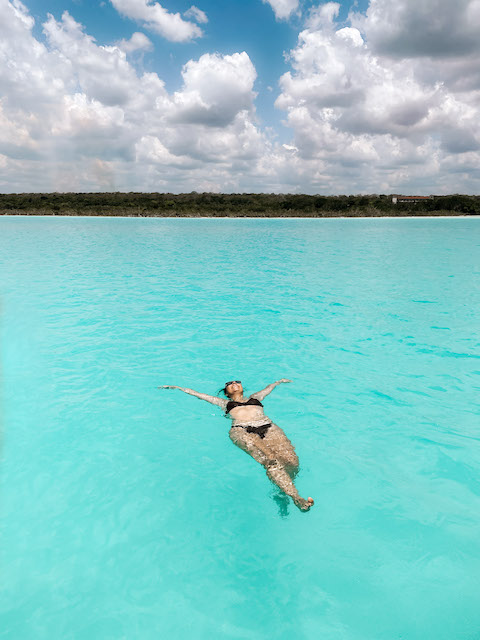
220	402
260	395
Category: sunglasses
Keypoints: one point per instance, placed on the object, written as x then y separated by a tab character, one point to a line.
231	382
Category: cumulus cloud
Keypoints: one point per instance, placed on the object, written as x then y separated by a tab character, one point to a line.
283	9
156	18
102	72
194	13
382	115
216	89
77	115
363	115
433	28
137	42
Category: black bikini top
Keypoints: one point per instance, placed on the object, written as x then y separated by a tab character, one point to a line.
231	404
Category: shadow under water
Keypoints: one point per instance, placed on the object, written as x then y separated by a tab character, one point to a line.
283	503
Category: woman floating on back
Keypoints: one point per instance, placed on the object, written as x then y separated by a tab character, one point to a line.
253	432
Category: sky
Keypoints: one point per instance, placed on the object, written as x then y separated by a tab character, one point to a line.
274	96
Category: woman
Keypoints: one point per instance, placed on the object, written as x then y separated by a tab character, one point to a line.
253	432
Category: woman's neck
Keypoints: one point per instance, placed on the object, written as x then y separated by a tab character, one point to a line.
236	397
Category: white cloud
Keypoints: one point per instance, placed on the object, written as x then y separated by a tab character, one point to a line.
77	115
369	112
430	28
138	42
194	13
15	138
216	88
102	72
363	116
283	9
322	15
156	18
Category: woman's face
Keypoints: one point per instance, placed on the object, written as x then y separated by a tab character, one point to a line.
234	387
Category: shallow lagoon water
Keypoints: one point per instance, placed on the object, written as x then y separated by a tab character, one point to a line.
128	513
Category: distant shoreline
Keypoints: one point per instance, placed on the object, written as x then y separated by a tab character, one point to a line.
244	205
458	216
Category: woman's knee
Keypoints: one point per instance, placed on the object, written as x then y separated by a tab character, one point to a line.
291	459
273	468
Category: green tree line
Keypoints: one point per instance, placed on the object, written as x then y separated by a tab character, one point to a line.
235	205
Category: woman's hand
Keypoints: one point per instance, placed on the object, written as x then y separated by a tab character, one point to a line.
284	380
168	386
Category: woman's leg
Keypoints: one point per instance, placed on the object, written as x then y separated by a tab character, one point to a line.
276	468
279	475
252	444
287	465
283	449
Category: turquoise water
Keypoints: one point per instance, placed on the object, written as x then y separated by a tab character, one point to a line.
127	512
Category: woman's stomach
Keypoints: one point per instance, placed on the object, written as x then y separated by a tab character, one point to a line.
256	421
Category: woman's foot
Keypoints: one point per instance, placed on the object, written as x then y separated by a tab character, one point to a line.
304	505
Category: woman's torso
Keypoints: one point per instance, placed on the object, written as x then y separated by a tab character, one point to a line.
246	414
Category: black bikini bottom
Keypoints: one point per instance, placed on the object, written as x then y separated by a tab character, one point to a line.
260	431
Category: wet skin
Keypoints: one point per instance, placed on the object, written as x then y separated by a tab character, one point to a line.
274	452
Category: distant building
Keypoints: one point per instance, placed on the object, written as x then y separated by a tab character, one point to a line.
396	199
